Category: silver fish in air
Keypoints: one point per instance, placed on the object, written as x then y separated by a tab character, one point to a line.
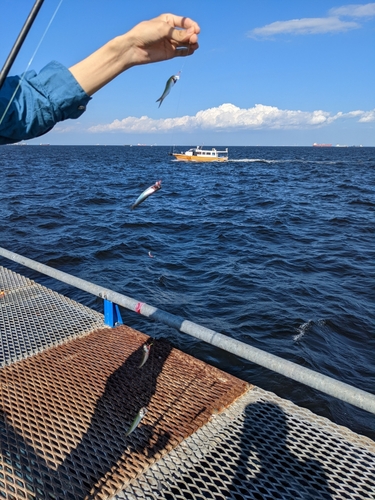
146	353
171	81
142	412
149	191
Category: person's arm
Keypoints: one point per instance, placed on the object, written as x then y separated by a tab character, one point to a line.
32	105
159	39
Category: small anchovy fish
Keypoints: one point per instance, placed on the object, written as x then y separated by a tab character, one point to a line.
142	412
170	82
146	353
149	191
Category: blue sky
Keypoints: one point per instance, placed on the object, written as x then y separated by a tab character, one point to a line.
268	72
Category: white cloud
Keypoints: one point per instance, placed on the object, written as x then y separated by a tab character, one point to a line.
368	116
318	25
230	117
354	10
144	124
306	26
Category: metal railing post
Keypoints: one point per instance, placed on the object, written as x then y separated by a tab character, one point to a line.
112	315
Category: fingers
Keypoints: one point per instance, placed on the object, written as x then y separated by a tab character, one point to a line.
186	51
183	37
162	38
180	22
187	30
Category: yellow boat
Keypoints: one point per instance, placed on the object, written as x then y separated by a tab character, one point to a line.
202	155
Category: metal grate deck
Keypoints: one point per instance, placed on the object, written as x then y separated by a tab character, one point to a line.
69	391
33	317
263	447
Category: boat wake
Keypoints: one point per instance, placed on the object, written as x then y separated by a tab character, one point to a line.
263	160
251	160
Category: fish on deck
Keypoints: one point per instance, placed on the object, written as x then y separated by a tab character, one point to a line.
142	412
146	353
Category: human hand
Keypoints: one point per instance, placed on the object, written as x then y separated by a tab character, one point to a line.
162	38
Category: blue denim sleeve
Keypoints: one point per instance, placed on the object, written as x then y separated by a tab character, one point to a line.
40	102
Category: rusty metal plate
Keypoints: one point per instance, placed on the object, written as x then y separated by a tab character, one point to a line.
65	413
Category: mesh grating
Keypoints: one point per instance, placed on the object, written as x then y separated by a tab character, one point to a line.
263	447
65	412
12	281
33	317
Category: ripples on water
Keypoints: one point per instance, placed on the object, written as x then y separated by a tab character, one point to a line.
275	248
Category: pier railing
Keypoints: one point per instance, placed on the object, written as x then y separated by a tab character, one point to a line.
112	300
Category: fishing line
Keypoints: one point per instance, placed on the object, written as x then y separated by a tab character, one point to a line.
179	73
31	60
179	93
150	389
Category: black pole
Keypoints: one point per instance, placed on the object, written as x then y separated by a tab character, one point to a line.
18	43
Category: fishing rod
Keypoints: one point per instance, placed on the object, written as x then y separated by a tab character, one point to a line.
20	39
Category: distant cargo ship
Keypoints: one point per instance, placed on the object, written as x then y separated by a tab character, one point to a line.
316	145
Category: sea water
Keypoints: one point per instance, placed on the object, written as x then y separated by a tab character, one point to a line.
275	248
